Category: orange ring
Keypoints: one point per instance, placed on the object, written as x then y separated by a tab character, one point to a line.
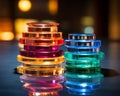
42	26
42	42
42	35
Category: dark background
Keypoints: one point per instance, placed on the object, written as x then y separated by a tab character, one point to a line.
68	15
105	14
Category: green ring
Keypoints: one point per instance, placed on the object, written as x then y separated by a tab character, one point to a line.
70	55
79	70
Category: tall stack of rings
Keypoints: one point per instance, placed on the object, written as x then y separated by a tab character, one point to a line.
82	68
41	59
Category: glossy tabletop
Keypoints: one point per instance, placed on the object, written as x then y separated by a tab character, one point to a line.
10	84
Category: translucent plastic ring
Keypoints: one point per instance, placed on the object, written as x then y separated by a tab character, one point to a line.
44	29
81	36
42	66
40	71
82	70
84	64
51	54
41	61
41	48
83	43
42	26
78	56
42	35
82	50
42	42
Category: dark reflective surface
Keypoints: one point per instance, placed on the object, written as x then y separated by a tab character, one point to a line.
109	72
10	83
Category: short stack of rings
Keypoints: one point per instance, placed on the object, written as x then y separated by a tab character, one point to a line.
83	70
41	59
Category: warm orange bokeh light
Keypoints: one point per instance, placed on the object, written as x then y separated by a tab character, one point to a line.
24	5
6	36
6	29
20	26
53	6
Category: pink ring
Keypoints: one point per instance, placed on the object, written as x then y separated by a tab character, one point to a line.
41	48
41	54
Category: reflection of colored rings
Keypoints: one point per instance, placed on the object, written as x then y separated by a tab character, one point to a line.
79	70
51	93
41	61
84	77
81	36
40	71
82	88
42	87
42	26
83	84
41	48
41	54
81	50
82	43
42	35
77	56
42	42
45	80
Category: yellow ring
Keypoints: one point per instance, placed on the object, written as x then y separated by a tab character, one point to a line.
41	61
42	66
40	71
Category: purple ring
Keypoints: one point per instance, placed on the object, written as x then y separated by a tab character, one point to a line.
41	54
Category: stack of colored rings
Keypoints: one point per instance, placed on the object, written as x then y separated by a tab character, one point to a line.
82	68
41	59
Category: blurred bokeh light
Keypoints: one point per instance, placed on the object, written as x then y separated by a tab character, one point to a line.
24	5
6	36
80	16
6	29
53	6
20	26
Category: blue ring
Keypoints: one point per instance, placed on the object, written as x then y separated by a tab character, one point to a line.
81	36
83	43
